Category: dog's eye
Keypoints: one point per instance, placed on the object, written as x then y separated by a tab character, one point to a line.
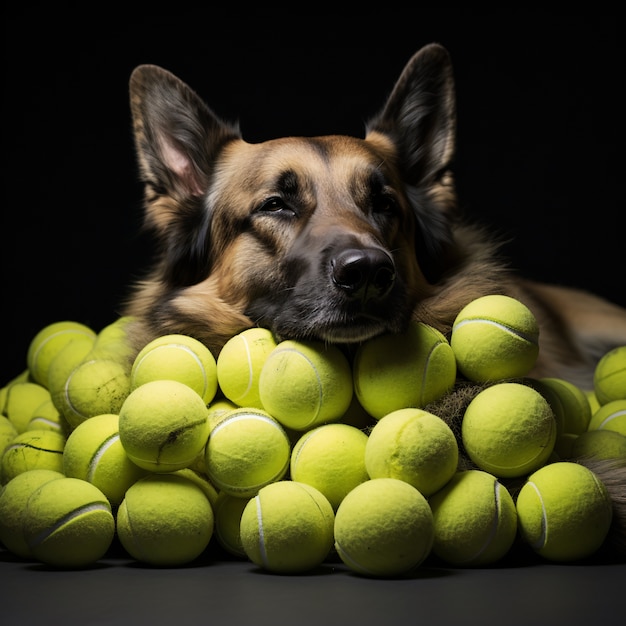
275	204
384	203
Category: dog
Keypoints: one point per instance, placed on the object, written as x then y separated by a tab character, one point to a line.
331	238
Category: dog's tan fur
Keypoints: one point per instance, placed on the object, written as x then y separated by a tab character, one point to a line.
334	238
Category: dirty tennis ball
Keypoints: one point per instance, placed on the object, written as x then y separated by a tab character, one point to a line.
47	417
599	444
409	369
330	458
415	446
610	416
33	449
246	449
239	365
46	344
68	523
163	425
564	512
13	499
475	519
177	357
509	430
287	527
22	400
93	452
384	528
568	402
95	387
609	379
495	337
228	510
7	432
165	520
305	383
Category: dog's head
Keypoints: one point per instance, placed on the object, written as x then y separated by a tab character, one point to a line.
332	238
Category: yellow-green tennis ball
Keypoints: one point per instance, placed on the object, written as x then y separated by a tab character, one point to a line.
593	401
599	444
93	452
246	450
610	416
239	365
415	446
47	417
495	337
564	512
95	387
228	511
177	357
410	369
7	433
68	523
22	400
48	342
305	383
568	402
33	449
13	499
112	342
163	425
475	519
165	520
200	479
509	430
609	379
384	528
330	458
287	528
63	364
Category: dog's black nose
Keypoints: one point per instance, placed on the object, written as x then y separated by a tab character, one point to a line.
363	273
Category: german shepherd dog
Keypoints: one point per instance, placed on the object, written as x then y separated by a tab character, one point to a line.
333	238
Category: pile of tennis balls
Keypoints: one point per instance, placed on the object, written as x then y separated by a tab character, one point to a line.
294	453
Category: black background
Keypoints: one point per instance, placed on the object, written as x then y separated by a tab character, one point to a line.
540	131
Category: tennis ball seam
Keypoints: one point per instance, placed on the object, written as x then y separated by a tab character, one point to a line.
259	519
538	542
531	338
609	418
99	454
41	536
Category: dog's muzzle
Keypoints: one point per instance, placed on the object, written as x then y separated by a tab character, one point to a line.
363	274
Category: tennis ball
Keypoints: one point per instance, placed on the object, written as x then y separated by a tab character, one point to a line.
239	365
568	402
68	523
287	527
305	383
47	417
48	342
509	430
13	499
397	371
415	446
7	433
599	444
163	425
63	364
609	379
112	342
177	357
384	528
93	452
228	511
95	387
33	449
165	520
246	450
495	337
564	512
610	416
202	481
330	458
475	519
22	400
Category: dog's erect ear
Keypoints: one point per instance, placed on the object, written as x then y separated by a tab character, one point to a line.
420	119
176	135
